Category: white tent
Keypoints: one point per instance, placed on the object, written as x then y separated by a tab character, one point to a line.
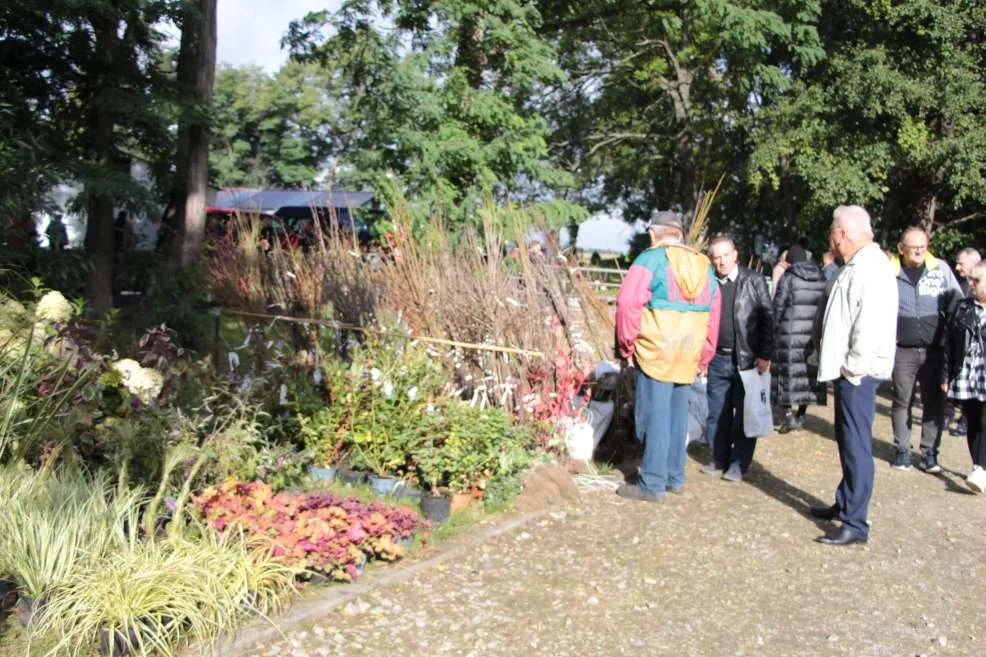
604	232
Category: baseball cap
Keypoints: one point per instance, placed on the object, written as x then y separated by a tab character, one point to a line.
665	219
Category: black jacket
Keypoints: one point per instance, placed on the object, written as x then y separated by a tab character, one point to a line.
753	319
960	331
799	293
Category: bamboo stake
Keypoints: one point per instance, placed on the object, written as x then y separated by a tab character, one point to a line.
353	327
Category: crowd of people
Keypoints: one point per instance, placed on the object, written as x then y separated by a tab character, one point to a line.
863	317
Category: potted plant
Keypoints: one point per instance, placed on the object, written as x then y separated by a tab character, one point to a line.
321	434
433	464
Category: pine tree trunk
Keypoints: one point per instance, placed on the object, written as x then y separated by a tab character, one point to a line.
196	75
99	224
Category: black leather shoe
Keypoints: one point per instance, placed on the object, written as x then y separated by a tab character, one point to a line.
824	512
844	537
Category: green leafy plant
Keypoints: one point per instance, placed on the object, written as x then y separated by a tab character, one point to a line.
470	445
42	375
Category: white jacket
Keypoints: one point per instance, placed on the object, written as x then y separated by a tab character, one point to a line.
859	331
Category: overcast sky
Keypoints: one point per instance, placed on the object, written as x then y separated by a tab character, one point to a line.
250	31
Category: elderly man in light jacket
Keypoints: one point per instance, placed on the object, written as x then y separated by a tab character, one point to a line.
857	352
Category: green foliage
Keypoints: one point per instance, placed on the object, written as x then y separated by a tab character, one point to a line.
269	128
55	270
178	299
63	62
443	100
655	108
468	447
893	119
42	375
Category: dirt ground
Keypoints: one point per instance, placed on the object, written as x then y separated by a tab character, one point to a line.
724	569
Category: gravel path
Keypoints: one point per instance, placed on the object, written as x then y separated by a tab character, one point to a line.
725	569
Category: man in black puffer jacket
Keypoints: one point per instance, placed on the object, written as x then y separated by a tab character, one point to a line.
746	340
799	292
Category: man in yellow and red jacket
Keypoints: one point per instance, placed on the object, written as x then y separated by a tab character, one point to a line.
667	324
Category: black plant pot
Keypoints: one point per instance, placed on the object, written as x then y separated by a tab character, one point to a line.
26	608
436	508
8	594
116	643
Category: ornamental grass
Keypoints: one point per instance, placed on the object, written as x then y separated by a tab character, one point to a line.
499	316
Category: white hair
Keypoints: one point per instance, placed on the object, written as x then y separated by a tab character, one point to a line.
971	252
853	219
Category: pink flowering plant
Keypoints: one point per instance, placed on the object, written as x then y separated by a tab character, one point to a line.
319	532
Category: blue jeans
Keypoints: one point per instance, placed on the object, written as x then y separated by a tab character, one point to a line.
661	416
855	407
725	425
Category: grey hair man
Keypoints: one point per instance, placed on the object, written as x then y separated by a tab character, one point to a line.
927	291
965	260
857	352
745	342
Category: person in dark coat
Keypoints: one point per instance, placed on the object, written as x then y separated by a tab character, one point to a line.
799	292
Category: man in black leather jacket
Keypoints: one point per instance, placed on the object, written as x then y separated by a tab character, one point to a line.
746	340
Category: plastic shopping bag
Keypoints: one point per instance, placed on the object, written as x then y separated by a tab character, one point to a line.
758	420
698	411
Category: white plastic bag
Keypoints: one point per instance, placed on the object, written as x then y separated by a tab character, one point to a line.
578	437
758	420
698	411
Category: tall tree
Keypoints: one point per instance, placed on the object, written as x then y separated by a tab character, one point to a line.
894	119
196	77
441	97
269	131
77	79
654	108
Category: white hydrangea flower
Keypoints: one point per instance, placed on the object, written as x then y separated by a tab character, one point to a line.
375	375
143	382
412	394
388	389
53	307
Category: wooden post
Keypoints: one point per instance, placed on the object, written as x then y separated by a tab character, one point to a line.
216	351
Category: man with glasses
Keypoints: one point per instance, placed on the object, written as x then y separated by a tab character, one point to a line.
927	290
857	352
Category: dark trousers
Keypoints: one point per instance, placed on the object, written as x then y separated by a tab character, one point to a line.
855	407
725	426
802	410
975	416
915	366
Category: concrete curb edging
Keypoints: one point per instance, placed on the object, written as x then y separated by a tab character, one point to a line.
263	631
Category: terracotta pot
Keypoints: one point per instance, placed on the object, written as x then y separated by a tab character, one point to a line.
461	501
